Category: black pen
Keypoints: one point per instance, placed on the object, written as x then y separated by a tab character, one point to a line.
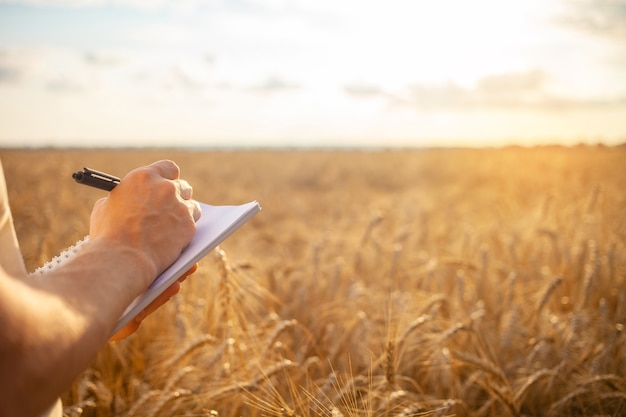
96	179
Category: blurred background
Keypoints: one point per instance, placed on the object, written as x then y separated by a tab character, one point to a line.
303	73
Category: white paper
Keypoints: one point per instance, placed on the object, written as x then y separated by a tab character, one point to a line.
214	226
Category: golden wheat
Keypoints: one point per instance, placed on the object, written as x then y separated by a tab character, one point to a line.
414	283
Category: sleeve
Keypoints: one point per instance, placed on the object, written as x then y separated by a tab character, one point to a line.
10	255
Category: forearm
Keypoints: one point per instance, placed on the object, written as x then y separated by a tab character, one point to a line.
52	326
37	329
59	321
100	281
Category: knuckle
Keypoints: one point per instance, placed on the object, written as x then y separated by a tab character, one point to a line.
166	191
169	188
169	168
141	175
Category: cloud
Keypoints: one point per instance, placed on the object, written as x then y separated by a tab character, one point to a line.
15	65
65	85
103	72
142	4
132	4
514	89
180	78
273	85
104	59
364	90
527	90
605	18
513	82
9	74
50	69
154	4
160	33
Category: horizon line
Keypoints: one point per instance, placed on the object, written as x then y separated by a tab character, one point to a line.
580	144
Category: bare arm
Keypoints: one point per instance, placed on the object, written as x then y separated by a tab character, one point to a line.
54	325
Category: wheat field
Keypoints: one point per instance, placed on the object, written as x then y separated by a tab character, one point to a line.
441	282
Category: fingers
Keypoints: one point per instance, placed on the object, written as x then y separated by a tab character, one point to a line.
184	189
148	201
125	331
194	209
161	299
134	324
189	272
169	170
164	297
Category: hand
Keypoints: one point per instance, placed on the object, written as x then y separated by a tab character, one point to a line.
164	297
149	215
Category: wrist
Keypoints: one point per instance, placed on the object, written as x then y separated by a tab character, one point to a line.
132	265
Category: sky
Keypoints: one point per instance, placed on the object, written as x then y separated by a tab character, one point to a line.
361	73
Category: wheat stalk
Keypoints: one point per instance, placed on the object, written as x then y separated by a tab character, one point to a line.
390	365
280	328
451	331
546	296
166	400
414	325
555	408
503	394
432	301
138	406
530	381
483	364
252	384
189	349
224	286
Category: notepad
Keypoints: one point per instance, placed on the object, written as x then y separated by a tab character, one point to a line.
215	225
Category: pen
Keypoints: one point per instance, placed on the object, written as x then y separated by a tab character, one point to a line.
96	179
